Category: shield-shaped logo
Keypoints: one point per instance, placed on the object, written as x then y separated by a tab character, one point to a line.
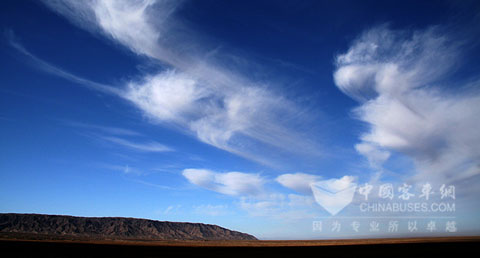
334	194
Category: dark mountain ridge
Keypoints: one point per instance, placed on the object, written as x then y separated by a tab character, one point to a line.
59	226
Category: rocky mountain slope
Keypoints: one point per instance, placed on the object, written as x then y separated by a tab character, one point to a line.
55	226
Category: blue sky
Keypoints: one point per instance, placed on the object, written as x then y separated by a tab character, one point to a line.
226	112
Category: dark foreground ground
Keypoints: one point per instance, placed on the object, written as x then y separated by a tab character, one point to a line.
418	247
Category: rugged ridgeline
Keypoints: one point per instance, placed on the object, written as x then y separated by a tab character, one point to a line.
39	226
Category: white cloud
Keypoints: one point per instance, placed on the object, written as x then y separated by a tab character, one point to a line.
167	96
299	182
396	76
133	24
220	107
374	153
230	183
127	22
146	147
253	198
337	184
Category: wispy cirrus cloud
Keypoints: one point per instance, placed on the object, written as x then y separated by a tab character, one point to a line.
150	146
126	138
104	129
218	106
125	169
172	209
397	77
51	69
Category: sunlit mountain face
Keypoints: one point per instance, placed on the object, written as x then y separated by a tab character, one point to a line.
280	119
